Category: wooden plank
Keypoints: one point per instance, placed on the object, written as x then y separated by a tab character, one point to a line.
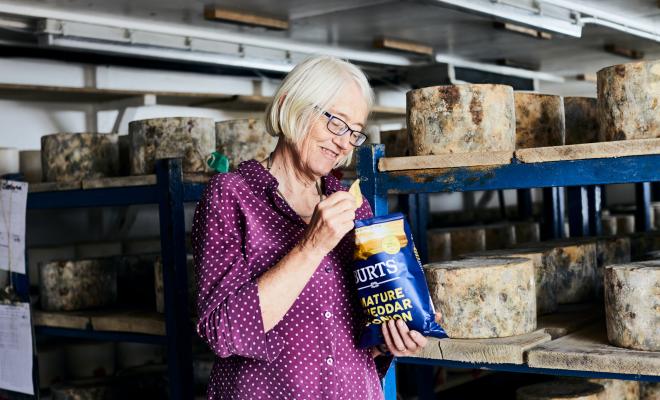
510	350
570	318
403	45
444	161
621	148
589	350
119	181
196	178
214	13
61	319
151	323
53	186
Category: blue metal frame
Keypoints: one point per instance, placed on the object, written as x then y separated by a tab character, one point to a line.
581	176
170	193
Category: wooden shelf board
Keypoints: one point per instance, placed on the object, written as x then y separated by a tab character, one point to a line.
444	161
111	182
619	148
131	321
589	350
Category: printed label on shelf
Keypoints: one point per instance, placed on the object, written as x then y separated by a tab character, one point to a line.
13	202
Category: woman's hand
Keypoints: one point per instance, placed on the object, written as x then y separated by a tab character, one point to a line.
400	340
333	218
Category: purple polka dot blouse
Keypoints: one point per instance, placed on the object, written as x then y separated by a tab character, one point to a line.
242	228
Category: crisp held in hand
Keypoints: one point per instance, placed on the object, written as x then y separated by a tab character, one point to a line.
356	192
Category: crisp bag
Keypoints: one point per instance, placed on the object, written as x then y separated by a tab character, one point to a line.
390	280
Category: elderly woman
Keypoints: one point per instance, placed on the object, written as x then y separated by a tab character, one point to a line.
273	244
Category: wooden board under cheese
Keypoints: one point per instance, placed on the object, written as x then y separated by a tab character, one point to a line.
539	120
581	120
484	297
75	156
461	119
77	285
191	138
447	243
629	101
632	301
243	139
561	390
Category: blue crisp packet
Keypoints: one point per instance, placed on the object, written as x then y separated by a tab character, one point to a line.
390	280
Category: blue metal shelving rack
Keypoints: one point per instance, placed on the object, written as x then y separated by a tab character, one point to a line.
170	193
583	179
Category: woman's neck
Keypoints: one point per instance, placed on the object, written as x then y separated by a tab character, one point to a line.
290	172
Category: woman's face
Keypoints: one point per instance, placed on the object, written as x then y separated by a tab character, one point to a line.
321	150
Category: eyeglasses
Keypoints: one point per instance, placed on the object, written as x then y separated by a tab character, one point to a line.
337	126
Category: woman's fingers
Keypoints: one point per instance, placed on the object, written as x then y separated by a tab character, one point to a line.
408	341
396	337
419	339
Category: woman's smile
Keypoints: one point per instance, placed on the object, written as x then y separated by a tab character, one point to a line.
331	155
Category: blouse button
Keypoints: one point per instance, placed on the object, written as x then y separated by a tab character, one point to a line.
327	314
328	269
329	360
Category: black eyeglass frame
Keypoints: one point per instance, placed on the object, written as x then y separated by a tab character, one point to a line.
361	136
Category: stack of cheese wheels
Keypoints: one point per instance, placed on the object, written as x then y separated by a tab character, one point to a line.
632	301
243	139
617	389
30	165
576	264
191	138
484	297
77	285
159	284
561	390
610	250
76	156
581	120
500	236
447	243
544	272
397	142
539	120
461	119
627	101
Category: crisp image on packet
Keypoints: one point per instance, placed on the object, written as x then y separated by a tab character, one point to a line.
390	280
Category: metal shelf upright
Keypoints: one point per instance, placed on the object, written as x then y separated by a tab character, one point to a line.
170	193
582	177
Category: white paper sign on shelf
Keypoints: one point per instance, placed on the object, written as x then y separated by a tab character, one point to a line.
16	348
13	203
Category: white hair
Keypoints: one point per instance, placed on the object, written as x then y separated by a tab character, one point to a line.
312	86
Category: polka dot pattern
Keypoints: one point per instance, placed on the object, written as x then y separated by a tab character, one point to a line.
241	228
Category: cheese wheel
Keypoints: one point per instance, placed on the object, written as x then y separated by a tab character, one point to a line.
191	138
560	390
397	142
527	232
545	275
124	148
609	251
447	243
500	236
159	285
461	119
576	266
9	160
77	285
30	165
484	297
617	389
89	359
628	98
632	301
69	157
649	391
243	139
581	120
625	224
539	120
609	224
